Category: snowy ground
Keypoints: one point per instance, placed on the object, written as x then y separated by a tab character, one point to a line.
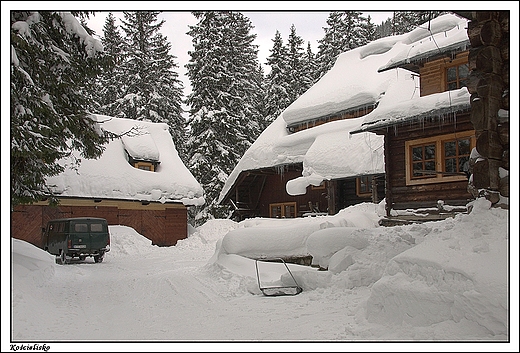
437	282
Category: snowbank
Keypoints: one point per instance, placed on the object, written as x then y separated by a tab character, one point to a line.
458	272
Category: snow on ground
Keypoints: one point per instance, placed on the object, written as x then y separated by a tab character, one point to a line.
444	281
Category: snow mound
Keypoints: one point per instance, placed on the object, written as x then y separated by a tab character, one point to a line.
30	263
125	241
452	274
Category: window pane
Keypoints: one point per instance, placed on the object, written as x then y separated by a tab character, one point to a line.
429	152
464	147
450	149
276	211
463	71
463	164
452	86
450	166
416	168
96	227
429	166
417	153
452	73
81	227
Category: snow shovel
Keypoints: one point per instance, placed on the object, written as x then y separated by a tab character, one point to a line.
273	291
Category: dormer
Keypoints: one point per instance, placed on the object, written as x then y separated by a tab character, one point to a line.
141	151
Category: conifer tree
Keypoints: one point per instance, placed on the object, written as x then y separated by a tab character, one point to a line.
406	21
295	74
152	88
277	87
224	117
53	59
346	30
110	85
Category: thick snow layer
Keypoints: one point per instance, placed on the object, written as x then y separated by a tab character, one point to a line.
435	282
112	177
445	31
434	105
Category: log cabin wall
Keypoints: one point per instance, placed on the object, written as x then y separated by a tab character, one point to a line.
489	63
163	224
433	73
275	193
399	195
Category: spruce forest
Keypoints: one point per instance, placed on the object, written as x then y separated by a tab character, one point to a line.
232	100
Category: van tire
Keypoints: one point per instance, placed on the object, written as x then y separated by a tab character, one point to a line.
98	258
61	259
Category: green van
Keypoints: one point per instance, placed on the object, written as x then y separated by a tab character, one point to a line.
68	238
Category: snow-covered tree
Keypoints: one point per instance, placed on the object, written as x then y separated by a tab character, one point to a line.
346	30
110	85
295	75
277	86
224	119
406	21
152	88
53	60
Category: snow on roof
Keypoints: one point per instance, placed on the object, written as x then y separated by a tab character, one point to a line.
352	82
434	105
441	35
112	177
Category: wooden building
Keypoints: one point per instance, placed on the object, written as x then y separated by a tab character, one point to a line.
430	141
139	182
262	193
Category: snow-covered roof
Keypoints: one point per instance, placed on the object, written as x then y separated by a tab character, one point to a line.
443	34
112	177
434	105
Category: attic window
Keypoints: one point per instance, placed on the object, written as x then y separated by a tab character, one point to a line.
144	166
457	76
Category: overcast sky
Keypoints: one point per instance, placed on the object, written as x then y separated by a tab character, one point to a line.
309	26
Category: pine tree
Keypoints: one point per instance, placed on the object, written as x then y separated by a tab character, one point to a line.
295	73
347	30
53	59
309	68
110	85
152	89
406	21
224	119
277	87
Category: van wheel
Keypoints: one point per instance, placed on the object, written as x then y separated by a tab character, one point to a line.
98	258
61	259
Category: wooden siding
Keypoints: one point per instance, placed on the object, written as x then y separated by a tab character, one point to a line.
433	73
401	196
163	224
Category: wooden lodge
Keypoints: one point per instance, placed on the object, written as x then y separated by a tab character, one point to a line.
431	155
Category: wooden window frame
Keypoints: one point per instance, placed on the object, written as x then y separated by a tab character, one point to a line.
439	158
282	207
144	164
319	187
361	193
461	59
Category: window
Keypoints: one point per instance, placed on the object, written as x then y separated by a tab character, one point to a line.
144	166
438	159
364	186
457	76
96	227
282	210
81	227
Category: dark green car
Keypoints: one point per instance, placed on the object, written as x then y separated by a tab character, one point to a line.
69	238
